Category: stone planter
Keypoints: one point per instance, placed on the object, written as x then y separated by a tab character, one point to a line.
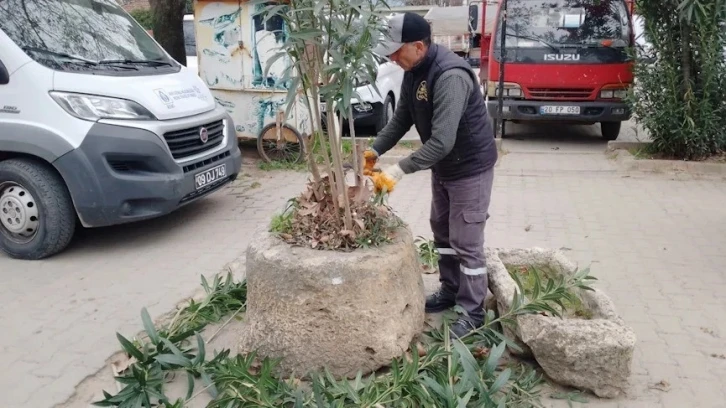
593	353
346	312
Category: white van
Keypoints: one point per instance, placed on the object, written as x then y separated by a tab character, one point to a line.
98	125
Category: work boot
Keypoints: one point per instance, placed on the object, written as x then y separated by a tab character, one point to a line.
439	301
463	326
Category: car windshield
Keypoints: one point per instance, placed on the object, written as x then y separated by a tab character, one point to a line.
556	23
80	35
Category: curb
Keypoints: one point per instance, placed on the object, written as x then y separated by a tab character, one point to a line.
627	161
621	145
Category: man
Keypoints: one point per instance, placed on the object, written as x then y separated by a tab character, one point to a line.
440	95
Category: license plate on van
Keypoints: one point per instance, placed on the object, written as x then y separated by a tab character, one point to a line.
210	176
559	110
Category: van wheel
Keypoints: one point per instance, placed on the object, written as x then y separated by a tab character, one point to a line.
610	130
37	218
386	113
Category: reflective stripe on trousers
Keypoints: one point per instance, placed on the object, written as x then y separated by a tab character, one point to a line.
467	271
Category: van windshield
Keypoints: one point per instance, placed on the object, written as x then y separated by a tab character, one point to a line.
558	23
78	35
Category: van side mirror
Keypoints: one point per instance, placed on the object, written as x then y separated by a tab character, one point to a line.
4	74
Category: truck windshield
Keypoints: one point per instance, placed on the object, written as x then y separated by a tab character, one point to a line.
77	35
557	23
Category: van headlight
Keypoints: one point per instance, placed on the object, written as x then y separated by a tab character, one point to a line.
93	107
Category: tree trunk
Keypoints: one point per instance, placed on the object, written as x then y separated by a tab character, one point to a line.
168	18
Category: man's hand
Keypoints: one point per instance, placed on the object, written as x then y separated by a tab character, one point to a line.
387	179
371	157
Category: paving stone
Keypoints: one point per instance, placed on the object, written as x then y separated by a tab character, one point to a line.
63	312
652	240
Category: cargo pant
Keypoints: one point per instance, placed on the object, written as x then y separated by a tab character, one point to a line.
459	211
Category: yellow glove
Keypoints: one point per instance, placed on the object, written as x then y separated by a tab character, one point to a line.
371	157
387	179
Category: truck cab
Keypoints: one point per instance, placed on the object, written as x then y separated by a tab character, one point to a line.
564	61
98	125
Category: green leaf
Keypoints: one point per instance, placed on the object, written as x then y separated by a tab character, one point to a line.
437	388
199	359
463	402
149	326
501	380
190	385
173	359
468	362
493	359
509	342
205	285
207	381
130	348
309	34
270	62
173	348
537	283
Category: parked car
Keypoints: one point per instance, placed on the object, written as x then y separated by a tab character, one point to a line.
376	108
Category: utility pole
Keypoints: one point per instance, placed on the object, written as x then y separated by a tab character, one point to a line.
502	56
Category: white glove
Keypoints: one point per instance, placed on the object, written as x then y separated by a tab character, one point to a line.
388	178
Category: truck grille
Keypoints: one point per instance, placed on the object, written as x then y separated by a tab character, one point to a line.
561	93
187	142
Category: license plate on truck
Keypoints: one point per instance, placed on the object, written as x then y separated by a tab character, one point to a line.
210	176
559	110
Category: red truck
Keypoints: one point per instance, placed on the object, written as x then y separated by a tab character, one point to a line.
567	61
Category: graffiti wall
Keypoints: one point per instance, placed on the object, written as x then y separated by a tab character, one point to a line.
235	47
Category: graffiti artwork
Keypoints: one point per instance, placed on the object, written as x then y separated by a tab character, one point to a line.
236	46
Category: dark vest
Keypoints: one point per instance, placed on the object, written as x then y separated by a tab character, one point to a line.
474	151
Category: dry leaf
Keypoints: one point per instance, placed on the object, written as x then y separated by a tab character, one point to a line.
662	385
481	352
120	366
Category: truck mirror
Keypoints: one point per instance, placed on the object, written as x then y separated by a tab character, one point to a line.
474	18
4	74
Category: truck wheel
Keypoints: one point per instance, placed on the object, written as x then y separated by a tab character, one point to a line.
386	114
610	130
37	218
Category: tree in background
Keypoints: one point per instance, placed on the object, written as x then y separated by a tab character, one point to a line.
168	26
680	92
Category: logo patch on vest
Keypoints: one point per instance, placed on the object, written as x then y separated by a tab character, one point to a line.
422	93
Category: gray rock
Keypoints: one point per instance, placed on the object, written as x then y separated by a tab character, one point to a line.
594	354
502	286
346	312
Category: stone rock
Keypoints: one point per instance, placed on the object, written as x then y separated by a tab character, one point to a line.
502	287
591	354
346	312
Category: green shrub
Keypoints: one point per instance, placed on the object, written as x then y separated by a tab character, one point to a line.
679	96
144	17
